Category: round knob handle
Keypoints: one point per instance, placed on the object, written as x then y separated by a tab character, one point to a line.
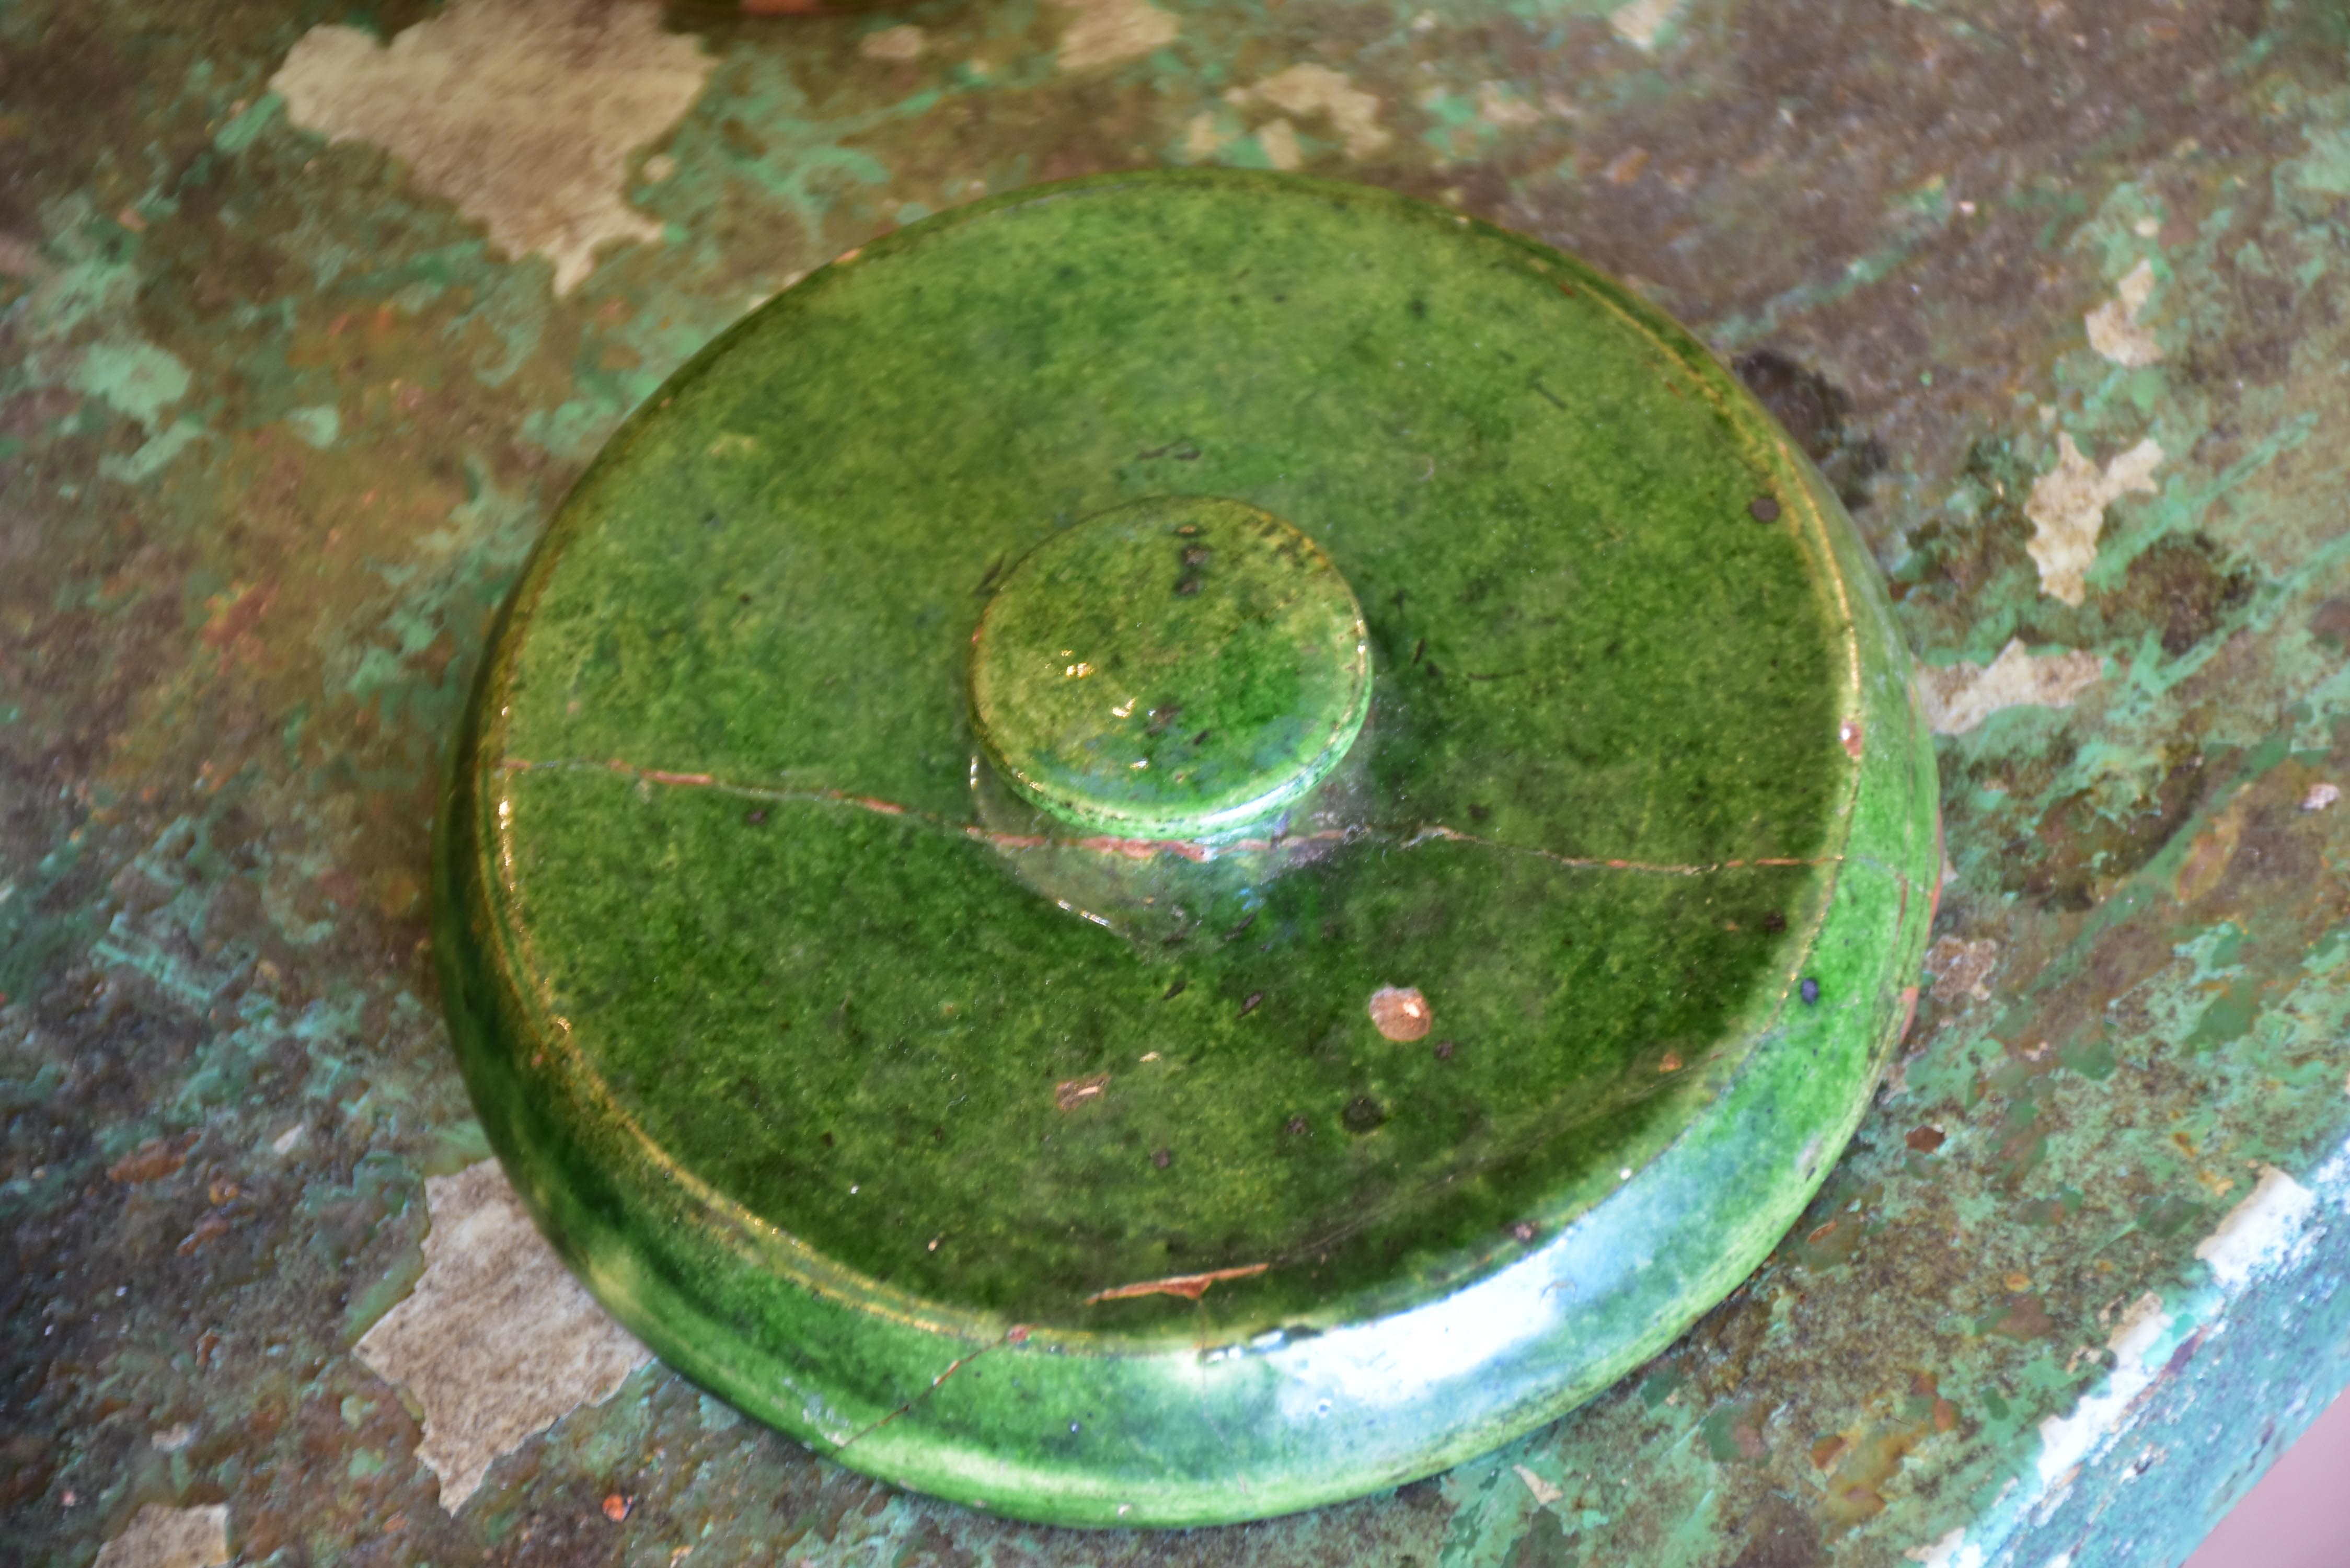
1174	668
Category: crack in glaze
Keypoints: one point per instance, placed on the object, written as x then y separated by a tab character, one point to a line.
1596	863
1011	1336
1194	850
1191	1287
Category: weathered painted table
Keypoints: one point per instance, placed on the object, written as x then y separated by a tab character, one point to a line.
305	336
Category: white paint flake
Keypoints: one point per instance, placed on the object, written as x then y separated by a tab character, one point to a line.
1640	22
2114	330
2261	1232
1104	32
1950	1551
1278	138
160	1537
521	112
1307	90
2068	508
1497	105
2320	796
139	379
1958	697
2067	1441
1544	1494
498	1342
904	42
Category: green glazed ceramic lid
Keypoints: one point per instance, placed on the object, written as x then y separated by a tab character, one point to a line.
1181	846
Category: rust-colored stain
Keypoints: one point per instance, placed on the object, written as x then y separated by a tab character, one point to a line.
151	1161
239	617
1401	1013
214	1224
1627	167
1861	1460
2207	858
2025	1318
1908	1013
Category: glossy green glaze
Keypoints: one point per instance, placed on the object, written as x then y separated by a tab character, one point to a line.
1176	668
1072	1176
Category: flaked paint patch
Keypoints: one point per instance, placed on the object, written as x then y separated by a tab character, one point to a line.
160	1537
2068	509
904	42
135	378
1278	139
1643	22
2068	1441
1959	967
2262	1234
1307	90
1544	1494
319	425
2207	855
2114	328
152	456
1958	697
521	112
498	1342
1950	1551
1104	32
1201	137
2320	796
2324	168
1497	105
